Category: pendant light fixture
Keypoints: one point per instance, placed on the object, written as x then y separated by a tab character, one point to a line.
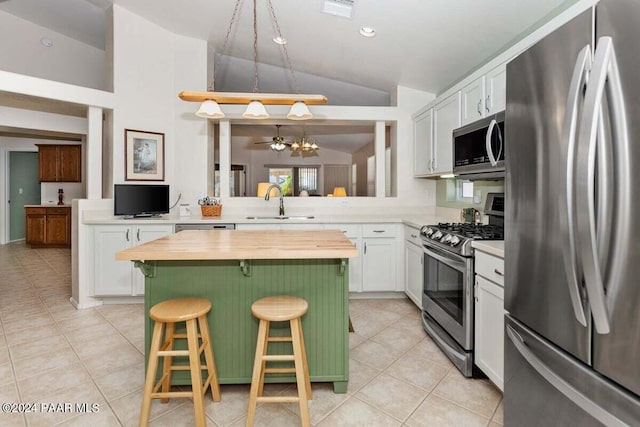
256	101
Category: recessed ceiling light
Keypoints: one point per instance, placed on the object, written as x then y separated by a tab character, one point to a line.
367	32
279	40
46	42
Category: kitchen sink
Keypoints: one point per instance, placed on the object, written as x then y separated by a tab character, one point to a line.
281	217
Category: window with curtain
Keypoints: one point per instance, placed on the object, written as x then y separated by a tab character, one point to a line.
292	180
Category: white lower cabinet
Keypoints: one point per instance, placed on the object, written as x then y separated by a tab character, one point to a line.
380	258
413	269
489	320
258	226
121	278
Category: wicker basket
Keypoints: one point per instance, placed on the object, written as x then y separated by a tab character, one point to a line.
211	210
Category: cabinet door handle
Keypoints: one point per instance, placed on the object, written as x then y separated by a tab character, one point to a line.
138	234
498	272
127	236
475	291
365	248
486	106
478	109
378	231
414	236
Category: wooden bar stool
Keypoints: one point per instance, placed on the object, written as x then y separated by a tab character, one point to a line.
192	311
279	309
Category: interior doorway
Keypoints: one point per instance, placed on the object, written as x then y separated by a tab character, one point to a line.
24	189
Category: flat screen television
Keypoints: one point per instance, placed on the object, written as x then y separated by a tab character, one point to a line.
138	200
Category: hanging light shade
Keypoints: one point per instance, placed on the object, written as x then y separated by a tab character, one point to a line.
209	109
299	111
255	110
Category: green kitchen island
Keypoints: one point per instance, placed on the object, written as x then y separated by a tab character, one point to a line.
234	268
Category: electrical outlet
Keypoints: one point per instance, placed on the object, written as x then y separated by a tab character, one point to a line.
477	199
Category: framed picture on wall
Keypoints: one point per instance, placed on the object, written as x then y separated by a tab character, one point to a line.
144	155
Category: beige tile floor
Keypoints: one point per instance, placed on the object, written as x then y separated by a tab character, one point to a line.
51	353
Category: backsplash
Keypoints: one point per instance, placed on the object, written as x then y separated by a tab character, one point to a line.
72	190
449	193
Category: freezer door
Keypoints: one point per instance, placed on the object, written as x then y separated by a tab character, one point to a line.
537	241
617	353
545	386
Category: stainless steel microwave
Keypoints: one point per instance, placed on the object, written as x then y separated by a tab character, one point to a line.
478	149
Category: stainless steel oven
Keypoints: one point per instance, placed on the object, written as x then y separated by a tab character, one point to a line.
447	303
447	297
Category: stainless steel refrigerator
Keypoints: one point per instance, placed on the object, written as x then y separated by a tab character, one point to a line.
572	288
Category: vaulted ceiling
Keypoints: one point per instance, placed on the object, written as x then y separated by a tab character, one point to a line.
421	44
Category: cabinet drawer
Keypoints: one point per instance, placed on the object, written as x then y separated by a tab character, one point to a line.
58	211
378	230
35	211
349	230
412	235
490	267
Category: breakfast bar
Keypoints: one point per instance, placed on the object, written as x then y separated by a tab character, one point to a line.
234	268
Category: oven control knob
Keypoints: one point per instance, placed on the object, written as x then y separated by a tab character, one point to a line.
425	230
454	241
446	239
437	235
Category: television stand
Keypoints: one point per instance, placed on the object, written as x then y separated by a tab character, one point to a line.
141	215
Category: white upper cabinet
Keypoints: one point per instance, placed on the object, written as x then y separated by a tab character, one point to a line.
485	95
446	118
473	97
496	84
422	141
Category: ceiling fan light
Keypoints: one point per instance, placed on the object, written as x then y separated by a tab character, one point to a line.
295	146
299	111
255	110
314	146
209	109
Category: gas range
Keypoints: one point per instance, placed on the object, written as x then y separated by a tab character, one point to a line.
457	237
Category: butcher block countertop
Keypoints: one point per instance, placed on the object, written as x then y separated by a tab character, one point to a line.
244	244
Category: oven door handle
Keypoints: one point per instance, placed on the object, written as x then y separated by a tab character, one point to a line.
450	259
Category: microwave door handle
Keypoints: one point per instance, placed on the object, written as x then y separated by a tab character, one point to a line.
492	159
567	219
605	73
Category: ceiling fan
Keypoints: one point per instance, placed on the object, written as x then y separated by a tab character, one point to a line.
277	142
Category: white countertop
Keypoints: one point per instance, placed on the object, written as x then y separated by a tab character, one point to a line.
48	205
416	221
493	247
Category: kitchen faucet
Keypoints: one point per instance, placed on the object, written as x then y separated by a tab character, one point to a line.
266	197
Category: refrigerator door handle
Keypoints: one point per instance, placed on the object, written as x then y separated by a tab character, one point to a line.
605	73
560	384
578	80
493	159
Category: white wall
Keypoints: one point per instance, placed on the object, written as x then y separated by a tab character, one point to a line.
15	117
67	61
151	65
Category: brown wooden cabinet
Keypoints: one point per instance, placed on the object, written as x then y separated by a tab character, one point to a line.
48	226
60	163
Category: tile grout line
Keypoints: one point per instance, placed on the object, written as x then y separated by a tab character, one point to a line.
47	308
